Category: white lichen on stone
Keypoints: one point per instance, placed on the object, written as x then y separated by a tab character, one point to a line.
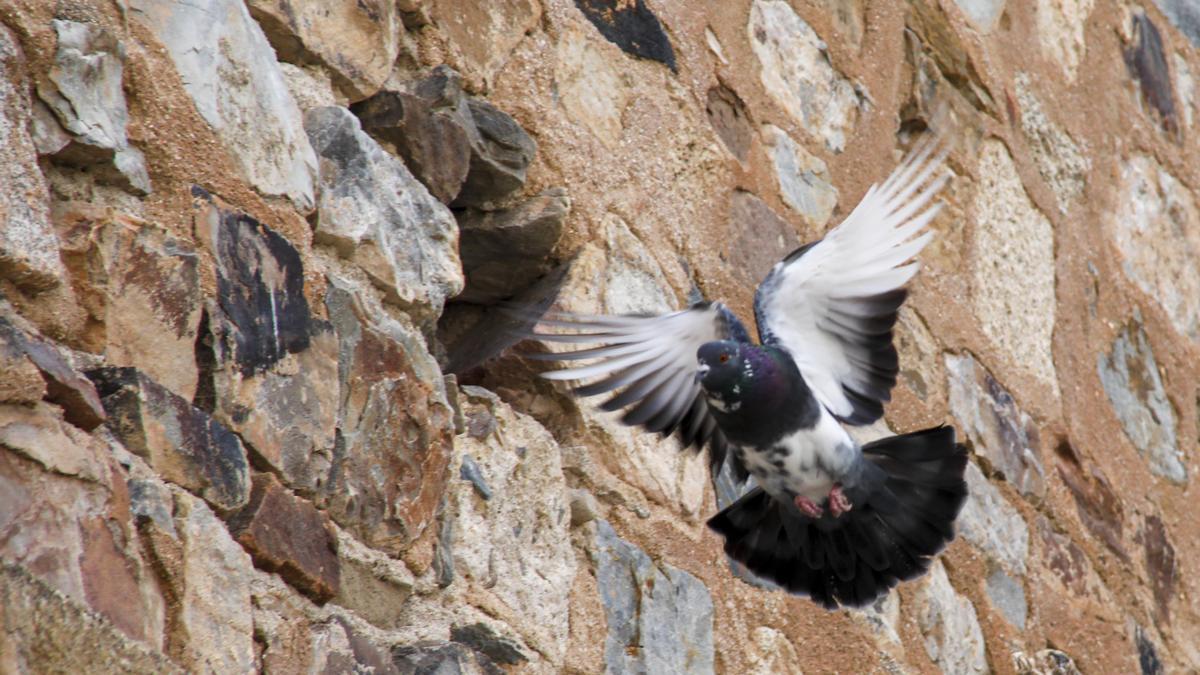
1059	159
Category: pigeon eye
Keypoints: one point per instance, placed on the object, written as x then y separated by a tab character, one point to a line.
724	358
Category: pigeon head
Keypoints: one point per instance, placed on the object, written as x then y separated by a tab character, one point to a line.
725	373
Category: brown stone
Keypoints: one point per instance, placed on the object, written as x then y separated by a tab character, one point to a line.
288	535
395	424
1096	502
758	239
64	386
504	252
20	380
108	580
729	119
1064	557
1160	563
184	444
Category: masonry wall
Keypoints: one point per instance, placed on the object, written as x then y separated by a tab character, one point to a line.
259	410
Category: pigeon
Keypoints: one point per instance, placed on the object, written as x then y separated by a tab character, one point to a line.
830	519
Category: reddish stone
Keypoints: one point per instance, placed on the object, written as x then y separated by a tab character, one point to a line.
1098	505
1064	557
65	387
108	581
288	535
1160	564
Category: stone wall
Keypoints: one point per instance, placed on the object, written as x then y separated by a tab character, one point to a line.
257	406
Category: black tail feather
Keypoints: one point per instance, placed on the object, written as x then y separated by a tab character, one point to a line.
888	537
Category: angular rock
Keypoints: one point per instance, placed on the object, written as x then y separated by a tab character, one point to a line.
1058	157
372	584
444	657
1131	379
1060	29
481	638
42	630
1008	595
728	116
758	239
37	433
20	380
1013	274
983	13
428	123
1160	564
513	551
1147	63
1002	433
230	71
953	638
84	90
504	252
268	369
289	536
501	151
632	26
660	619
376	214
1184	15
1156	226
141	289
357	41
772	652
942	60
64	386
183	443
395	430
993	525
28	243
803	179
797	74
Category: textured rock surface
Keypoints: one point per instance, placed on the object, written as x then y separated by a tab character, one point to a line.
303	326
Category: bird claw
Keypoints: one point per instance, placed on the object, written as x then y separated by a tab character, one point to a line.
839	503
808	507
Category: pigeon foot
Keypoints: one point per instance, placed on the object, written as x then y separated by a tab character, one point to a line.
809	507
839	503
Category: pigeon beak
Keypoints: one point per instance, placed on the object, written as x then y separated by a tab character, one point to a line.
702	371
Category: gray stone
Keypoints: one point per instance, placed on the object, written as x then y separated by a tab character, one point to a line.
183	444
501	151
441	658
376	214
28	243
983	13
1146	61
993	525
150	499
803	179
1059	160
470	472
1008	595
1044	662
84	89
953	638
481	638
504	252
797	74
1013	271
1130	377
1156	226
1003	434
373	585
1184	15
659	619
230	71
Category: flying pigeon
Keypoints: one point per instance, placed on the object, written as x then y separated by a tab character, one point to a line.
830	519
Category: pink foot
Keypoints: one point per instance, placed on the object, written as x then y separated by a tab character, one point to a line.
839	503
809	507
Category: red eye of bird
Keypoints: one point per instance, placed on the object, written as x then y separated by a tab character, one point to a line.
724	358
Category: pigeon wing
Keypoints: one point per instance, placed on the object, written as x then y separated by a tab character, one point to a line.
833	303
649	365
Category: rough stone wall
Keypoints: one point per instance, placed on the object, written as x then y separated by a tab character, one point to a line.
255	408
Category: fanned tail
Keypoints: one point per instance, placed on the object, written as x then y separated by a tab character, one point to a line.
890	535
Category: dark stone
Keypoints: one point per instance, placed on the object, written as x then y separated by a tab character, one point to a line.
630	26
429	125
482	639
504	252
758	239
183	443
443	558
501	151
368	656
1097	503
1160	563
480	425
65	387
729	119
394	421
441	658
288	535
1147	654
260	287
1147	64
1184	15
151	501
470	471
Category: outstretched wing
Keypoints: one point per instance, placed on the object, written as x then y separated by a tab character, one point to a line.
833	303
651	360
